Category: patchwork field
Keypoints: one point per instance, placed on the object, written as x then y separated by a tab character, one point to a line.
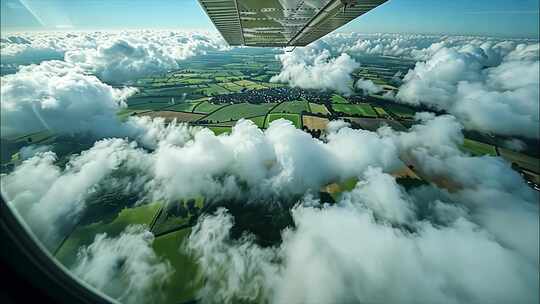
84	235
250	85
478	148
314	122
219	130
522	160
296	107
338	99
372	124
206	107
355	109
318	108
182	107
381	112
237	111
184	282
258	120
400	111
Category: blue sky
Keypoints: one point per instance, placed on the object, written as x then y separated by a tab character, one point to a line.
518	18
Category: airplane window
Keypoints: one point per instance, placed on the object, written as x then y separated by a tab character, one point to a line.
291	151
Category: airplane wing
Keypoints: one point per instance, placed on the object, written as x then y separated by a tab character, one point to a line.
280	23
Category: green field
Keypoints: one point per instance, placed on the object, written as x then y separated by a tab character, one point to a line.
250	85
149	106
182	107
400	111
206	107
478	148
294	118
220	130
318	108
184	283
231	86
214	89
151	99
84	235
338	99
123	114
381	112
258	120
524	161
355	109
237	111
296	107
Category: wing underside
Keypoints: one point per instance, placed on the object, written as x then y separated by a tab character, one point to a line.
278	23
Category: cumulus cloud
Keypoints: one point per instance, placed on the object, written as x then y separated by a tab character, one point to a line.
500	99
275	162
122	59
124	267
381	237
367	86
52	199
113	56
58	96
312	68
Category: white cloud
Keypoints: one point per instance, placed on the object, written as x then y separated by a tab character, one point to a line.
381	238
51	199
311	68
367	86
501	98
58	96
113	56
125	267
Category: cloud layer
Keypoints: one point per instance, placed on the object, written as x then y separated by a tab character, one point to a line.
378	236
311	68
112	56
492	95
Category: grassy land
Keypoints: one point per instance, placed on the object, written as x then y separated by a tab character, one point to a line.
258	120
524	161
240	110
184	283
381	112
151	99
125	113
338	99
206	107
355	109
400	111
220	130
250	85
478	148
231	86
291	107
149	106
182	107
214	89
294	118
84	235
318	108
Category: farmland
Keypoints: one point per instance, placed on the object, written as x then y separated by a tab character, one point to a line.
355	109
237	111
478	148
338	99
292	107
